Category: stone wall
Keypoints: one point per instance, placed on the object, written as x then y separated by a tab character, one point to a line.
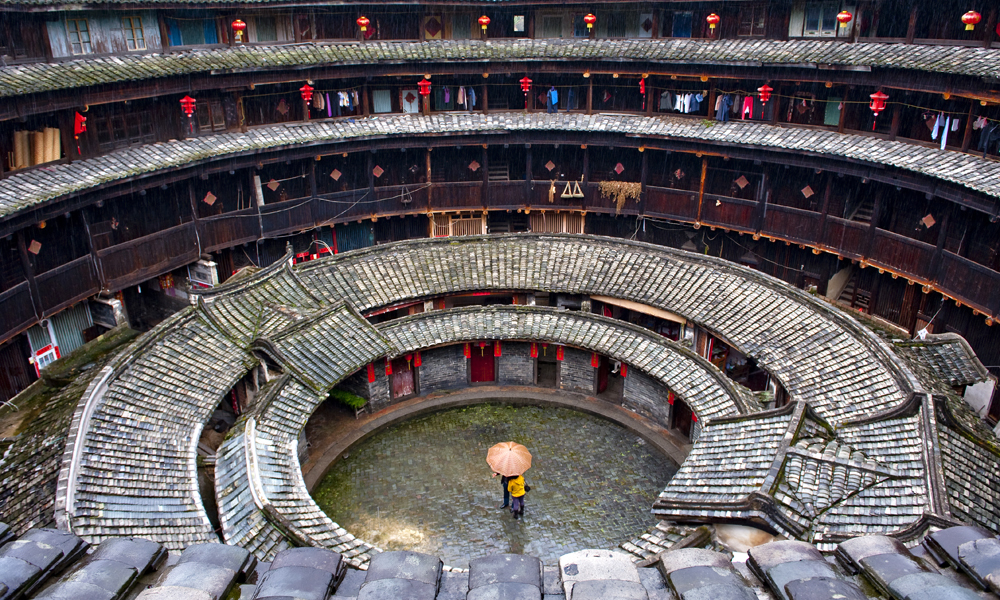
647	397
575	372
443	369
378	390
516	365
357	384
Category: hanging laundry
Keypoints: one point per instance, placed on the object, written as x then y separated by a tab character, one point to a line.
942	123
329	106
607	96
317	102
696	100
447	95
723	105
955	123
979	123
747	107
665	100
460	99
472	98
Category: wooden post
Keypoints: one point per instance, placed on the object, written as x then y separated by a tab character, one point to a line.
164	33
425	105
825	209
936	262
91	249
527	175
649	99
873	225
643	175
762	195
991	25
843	112
29	274
701	187
486	99
911	28
364	101
371	176
485	168
68	141
313	190
711	102
590	95
967	137
776	104
894	125
427	174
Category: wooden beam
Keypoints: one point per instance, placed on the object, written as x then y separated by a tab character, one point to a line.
29	275
701	187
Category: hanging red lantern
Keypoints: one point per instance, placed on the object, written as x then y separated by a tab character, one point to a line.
590	20
878	104
238	27
467	350
416	359
388	366
79	125
713	20
595	360
624	370
971	19
371	373
307	93
844	18
496	349
187	105
534	349
484	22
363	23
425	87
765	93
642	87
560	354
525	84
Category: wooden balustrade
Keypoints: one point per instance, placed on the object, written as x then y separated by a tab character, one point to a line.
67	284
139	259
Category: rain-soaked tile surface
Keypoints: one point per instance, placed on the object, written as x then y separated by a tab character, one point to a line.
424	485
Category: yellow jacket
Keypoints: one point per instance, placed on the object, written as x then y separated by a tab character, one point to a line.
516	486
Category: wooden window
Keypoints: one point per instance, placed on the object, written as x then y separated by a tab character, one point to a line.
122	130
267	29
79	36
134	38
458	224
752	20
821	18
211	117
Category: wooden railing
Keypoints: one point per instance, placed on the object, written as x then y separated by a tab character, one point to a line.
137	260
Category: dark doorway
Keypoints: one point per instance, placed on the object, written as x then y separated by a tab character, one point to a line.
602	375
682	418
482	365
610	383
403	378
547	367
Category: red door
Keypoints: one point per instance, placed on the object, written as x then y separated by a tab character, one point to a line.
403	383
483	363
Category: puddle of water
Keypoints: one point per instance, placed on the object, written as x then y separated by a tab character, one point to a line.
424	485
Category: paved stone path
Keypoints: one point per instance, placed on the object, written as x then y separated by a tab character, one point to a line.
424	485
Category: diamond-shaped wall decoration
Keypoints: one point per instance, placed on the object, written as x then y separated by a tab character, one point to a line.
807	192
335	175
432	27
647	25
742	182
209	199
409	97
377	171
550	165
273	185
35	247
474	166
619	168
679	174
928	221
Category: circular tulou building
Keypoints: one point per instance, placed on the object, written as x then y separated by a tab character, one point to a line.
274	275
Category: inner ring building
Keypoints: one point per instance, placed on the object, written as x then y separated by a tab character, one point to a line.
761	234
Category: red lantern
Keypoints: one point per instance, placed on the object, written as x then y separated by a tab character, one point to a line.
496	349
534	349
878	104
484	22
642	86
970	19
765	93
307	93
363	23
713	20
844	17
595	360
590	20
187	105
425	87
525	84
560	354
238	27
79	125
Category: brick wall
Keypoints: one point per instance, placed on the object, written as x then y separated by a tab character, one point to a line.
576	374
443	369
378	390
357	383
516	365
647	397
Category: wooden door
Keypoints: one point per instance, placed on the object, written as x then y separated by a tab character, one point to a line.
482	365
403	380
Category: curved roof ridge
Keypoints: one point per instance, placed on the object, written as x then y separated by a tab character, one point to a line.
45	77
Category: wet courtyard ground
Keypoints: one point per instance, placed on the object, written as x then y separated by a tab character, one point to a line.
424	485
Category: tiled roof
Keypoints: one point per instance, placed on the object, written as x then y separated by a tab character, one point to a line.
25	190
816	352
971	463
948	356
135	470
43	77
694	379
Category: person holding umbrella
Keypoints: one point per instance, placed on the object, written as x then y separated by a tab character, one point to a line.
511	460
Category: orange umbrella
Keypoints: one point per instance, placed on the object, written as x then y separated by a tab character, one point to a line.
510	459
